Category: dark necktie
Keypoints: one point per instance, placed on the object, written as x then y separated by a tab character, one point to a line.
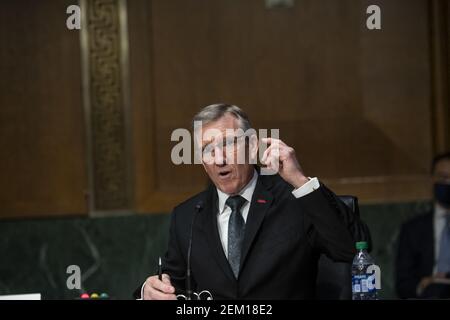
236	227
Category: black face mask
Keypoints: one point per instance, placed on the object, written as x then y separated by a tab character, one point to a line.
442	193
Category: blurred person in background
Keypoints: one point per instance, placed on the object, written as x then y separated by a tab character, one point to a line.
423	258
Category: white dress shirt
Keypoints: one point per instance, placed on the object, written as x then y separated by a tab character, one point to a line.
438	224
247	192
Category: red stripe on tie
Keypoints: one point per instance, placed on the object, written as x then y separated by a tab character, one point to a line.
261	201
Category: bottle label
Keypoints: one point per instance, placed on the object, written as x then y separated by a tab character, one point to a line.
362	283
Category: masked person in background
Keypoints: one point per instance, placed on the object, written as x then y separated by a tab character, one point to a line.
423	257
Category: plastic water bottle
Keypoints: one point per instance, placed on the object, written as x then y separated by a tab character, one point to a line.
363	287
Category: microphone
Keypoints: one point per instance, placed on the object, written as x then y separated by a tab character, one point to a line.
198	208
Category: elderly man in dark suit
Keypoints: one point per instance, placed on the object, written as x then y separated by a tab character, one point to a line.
253	236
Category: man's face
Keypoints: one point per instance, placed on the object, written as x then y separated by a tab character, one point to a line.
442	172
221	163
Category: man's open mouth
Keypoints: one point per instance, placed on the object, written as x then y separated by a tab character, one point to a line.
225	174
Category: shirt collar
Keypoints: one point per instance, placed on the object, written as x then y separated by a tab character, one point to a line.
440	212
246	192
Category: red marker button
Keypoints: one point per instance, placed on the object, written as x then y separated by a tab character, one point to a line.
84	296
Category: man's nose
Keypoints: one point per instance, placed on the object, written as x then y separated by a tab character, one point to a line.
220	156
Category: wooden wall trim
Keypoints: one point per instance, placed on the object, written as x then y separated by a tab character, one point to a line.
439	27
104	43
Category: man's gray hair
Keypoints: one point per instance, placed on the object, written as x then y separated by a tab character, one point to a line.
216	111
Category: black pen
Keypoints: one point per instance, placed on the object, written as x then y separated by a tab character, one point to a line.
159	269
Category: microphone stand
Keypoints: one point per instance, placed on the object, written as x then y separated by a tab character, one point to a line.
198	208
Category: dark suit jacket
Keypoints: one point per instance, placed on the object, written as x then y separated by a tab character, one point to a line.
415	254
284	238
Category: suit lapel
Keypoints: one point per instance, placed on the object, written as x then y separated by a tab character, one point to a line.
212	233
261	202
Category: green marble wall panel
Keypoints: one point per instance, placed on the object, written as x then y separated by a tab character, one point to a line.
116	254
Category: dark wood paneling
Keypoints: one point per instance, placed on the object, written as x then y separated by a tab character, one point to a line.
42	163
355	104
